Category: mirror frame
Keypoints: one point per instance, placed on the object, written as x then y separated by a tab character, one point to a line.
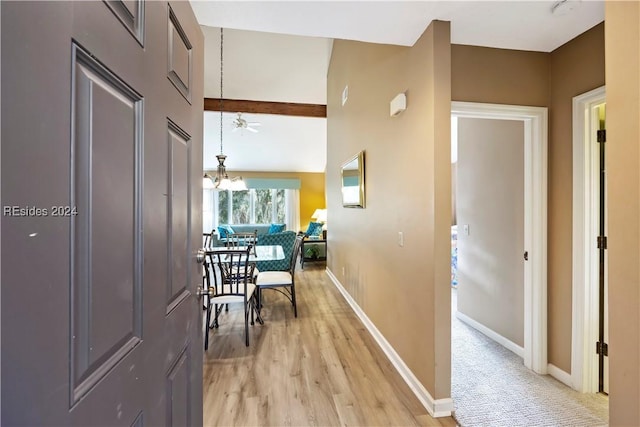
360	203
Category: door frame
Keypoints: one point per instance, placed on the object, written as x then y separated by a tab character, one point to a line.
535	121
584	324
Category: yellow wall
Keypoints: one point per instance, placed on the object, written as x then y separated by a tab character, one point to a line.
312	194
405	290
622	47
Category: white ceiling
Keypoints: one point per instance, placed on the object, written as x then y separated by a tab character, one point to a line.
280	51
283	143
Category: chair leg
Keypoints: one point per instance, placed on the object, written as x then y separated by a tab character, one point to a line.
215	320
293	299
246	326
252	308
206	328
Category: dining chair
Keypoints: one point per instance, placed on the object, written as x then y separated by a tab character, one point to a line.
229	272
206	239
281	281
206	242
236	240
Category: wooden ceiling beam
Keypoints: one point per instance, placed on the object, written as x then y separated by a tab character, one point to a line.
265	107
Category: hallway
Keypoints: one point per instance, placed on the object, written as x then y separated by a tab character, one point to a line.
322	368
491	387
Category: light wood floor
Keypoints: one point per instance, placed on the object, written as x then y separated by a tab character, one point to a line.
321	368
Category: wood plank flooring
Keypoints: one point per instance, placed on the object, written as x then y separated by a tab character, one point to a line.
319	369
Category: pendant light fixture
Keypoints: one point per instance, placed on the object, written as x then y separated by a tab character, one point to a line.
221	180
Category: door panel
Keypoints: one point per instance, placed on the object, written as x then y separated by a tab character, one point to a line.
131	14
107	117
86	335
178	391
179	54
179	213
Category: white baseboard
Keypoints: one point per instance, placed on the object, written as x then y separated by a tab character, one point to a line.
435	407
510	345
560	375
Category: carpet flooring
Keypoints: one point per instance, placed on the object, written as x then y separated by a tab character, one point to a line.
491	387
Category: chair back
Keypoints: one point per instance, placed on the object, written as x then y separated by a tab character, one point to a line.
286	239
234	270
206	239
238	240
296	252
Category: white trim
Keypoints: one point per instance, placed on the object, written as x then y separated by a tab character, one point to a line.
535	233
435	407
584	323
562	376
505	342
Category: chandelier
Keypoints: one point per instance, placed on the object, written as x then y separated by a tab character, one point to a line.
222	181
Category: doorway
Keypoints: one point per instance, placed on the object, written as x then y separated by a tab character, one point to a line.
534	119
589	359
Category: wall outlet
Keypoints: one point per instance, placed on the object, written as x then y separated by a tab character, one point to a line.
400	238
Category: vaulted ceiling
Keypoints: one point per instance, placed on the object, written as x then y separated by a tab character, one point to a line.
280	51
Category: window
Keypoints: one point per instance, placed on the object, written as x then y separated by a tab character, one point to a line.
254	206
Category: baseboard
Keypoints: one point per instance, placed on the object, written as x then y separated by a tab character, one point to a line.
506	343
560	375
435	407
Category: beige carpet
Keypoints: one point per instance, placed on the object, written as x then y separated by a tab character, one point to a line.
491	387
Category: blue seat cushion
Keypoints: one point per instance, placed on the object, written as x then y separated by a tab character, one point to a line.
224	231
276	228
314	229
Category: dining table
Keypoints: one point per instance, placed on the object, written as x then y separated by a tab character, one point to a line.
258	252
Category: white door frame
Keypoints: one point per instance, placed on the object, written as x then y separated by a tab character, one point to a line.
584	325
535	221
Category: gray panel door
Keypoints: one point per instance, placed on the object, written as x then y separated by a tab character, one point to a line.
101	169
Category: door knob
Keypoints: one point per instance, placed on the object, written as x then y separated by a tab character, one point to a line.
202	292
200	256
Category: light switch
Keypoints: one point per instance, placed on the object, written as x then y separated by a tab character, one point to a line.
465	229
400	238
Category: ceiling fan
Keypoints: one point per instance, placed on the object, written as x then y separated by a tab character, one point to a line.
242	124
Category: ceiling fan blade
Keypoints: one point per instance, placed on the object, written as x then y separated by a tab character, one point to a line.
252	130
235	129
254	124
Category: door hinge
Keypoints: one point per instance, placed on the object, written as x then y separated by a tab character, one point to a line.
602	242
602	347
602	135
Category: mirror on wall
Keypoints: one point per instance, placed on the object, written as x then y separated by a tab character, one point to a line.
353	182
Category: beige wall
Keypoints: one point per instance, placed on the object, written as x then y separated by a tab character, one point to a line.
622	48
576	67
499	76
491	202
548	80
403	290
364	254
312	194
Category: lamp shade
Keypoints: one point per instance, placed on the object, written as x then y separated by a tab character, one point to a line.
320	215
